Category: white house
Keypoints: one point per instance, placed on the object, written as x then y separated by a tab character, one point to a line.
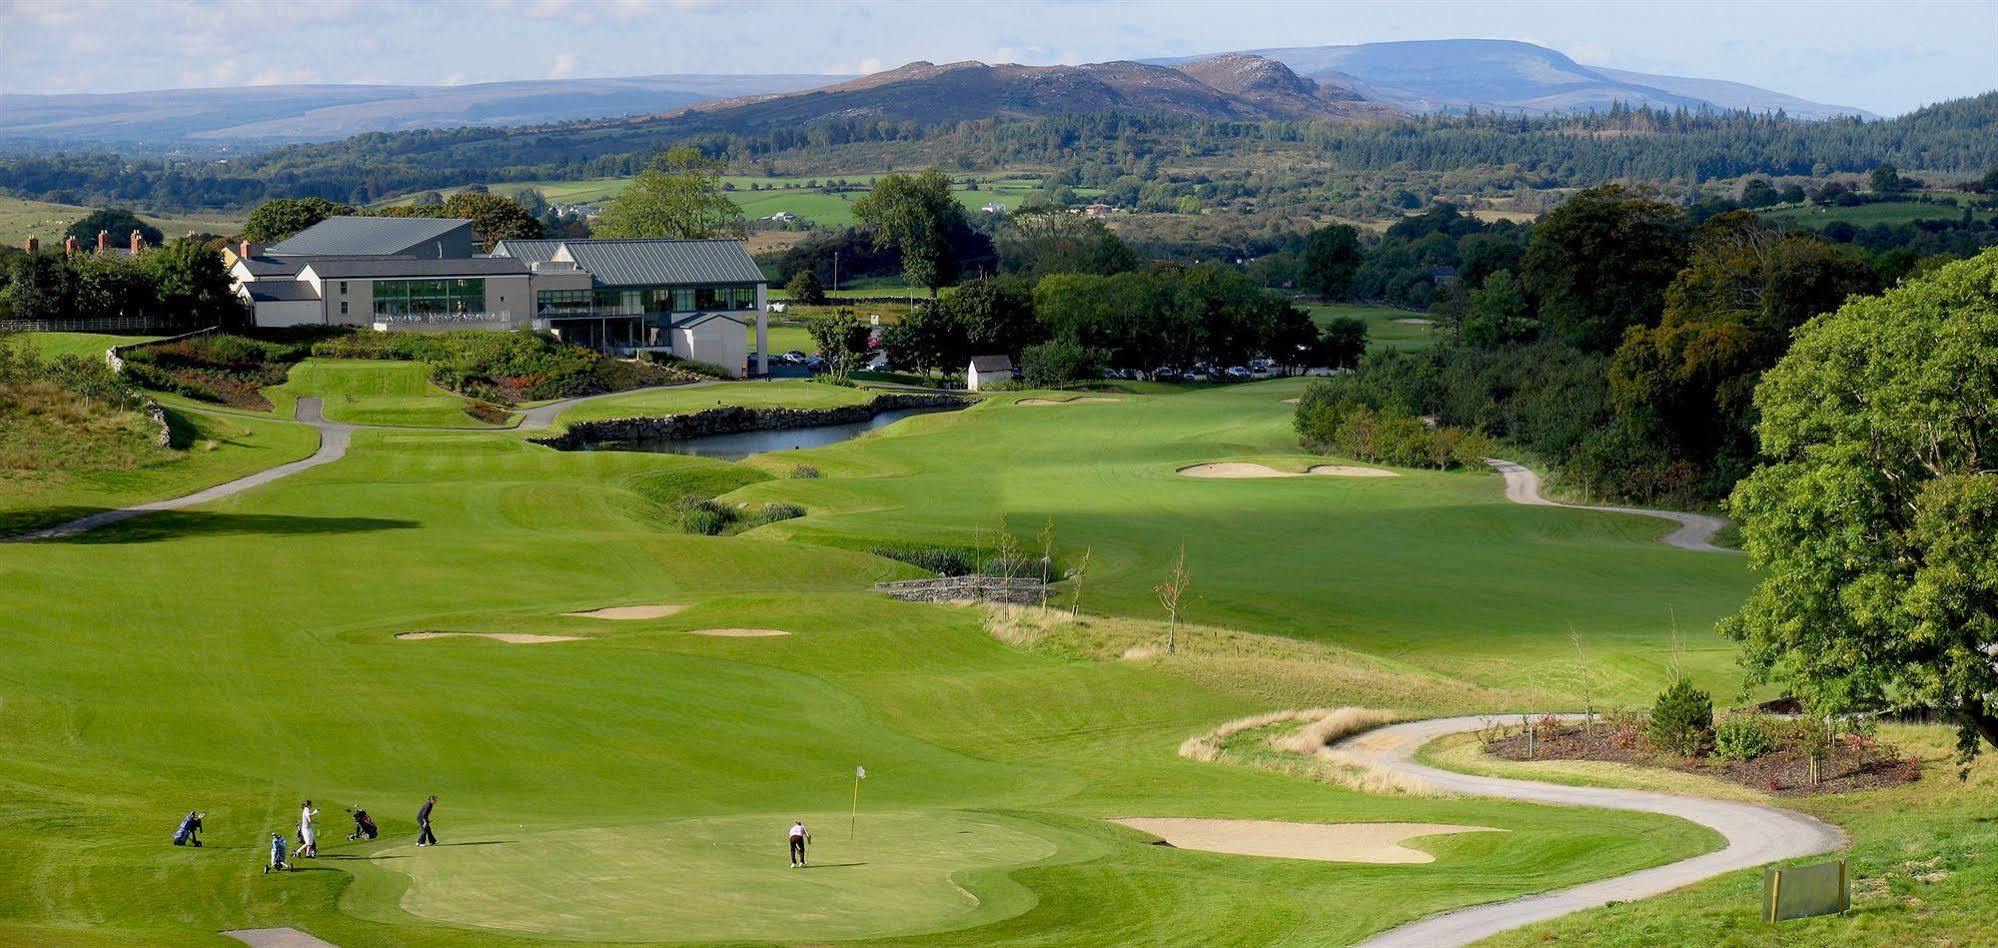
988	372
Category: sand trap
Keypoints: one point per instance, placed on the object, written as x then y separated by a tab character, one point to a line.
1414	321
1079	400
1292	401
1240	469
659	611
738	633
1327	842
1348	470
517	638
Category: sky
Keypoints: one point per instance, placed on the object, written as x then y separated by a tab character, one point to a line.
1884	56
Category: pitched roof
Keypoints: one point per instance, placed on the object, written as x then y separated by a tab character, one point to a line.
660	262
699	318
532	251
998	363
281	291
367	235
376	267
266	266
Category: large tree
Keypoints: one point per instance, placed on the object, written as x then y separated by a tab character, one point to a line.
679	195
1601	262
118	223
1331	257
494	217
917	217
273	221
193	287
1042	242
1873	514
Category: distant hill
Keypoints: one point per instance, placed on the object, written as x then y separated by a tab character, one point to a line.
1453	75
253	116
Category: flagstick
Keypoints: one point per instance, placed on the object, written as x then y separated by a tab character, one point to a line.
853	822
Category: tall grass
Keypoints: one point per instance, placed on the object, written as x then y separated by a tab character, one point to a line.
1307	750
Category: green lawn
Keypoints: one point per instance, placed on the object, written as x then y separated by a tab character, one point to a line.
1817	217
368	392
241	657
673	401
777	194
1387	327
88	344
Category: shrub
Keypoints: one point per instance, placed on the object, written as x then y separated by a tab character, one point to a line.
1743	737
941	560
805	288
804	472
705	521
487	412
775	512
1683	719
1058	362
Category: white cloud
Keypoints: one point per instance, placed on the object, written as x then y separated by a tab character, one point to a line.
565	65
869	65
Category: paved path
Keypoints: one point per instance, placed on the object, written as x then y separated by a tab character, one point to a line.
1756	834
278	938
1696	531
333	440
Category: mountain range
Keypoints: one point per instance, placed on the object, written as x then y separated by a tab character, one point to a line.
1365	81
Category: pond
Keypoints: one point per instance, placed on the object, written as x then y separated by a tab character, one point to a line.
735	447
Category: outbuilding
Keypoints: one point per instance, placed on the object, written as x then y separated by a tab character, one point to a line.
988	372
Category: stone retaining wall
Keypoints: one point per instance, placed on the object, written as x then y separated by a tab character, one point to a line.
736	419
1017	590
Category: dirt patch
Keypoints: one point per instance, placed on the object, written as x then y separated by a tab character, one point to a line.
1347	470
1378	843
738	633
657	611
1856	762
516	638
1079	400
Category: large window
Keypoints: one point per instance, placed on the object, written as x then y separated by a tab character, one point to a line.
563	303
429	297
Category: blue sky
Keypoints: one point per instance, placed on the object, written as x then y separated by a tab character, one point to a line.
1887	57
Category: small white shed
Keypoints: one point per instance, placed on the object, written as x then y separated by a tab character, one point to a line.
988	372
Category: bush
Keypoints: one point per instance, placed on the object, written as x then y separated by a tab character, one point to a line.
1058	362
941	560
805	288
1743	737
804	472
775	512
705	522
1683	719
504	367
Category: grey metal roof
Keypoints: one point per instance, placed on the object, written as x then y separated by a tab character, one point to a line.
265	266
383	236
369	268
532	251
998	363
661	262
280	291
698	318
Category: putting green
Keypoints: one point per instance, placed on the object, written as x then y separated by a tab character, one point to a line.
729	879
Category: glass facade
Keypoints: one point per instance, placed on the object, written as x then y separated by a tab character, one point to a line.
647	301
429	297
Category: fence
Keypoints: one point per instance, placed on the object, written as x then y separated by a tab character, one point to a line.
106	324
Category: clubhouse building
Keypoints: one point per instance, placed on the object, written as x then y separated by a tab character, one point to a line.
694	299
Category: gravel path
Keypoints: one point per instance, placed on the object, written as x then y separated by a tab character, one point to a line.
1696	531
1756	834
278	938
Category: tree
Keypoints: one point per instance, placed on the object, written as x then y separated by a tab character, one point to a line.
679	195
112	284
1171	593
494	218
273	221
1758	193
1497	314
1871	516
1039	243
1792	194
1331	257
40	286
991	315
1343	342
1885	179
1058	362
1989	183
924	341
118	222
915	215
1682	721
1601	262
805	289
193	287
842	340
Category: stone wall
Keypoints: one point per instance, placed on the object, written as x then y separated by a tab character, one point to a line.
736	419
1017	590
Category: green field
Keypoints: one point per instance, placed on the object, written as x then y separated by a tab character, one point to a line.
87	344
673	401
363	392
20	218
1816	217
634	785
1387	328
783	194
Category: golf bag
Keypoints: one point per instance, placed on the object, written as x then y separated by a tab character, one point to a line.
277	855
189	833
364	828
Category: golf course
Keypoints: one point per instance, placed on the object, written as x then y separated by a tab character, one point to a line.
610	774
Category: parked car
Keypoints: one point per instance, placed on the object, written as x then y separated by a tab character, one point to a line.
793	357
1237	372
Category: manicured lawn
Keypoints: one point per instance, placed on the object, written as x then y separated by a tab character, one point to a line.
370	392
242	657
1387	327
88	344
673	401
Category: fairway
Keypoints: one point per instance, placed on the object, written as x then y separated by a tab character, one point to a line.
631	779
365	392
1387	327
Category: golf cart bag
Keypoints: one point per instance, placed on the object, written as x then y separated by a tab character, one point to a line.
277	855
364	828
189	833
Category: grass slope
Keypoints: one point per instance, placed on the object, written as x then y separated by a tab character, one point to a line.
1387	327
368	392
21	218
241	657
674	401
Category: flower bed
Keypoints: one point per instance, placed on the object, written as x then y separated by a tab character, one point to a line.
1780	762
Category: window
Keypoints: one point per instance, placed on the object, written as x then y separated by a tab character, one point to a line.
563	302
343	307
418	298
343	290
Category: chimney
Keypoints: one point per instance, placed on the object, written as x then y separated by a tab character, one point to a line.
138	242
69	246
103	241
33	244
243	251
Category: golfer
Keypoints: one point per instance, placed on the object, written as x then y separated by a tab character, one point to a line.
800	837
426	837
308	840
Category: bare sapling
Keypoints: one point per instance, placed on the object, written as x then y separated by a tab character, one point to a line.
1076	576
1171	593
1008	553
1587	677
1047	538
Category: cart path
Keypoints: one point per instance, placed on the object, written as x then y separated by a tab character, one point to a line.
1696	531
278	938
1756	834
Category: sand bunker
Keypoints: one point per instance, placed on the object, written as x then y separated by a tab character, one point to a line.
1414	321
1239	469
1079	400
1292	401
738	633
517	638
1327	842
658	611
